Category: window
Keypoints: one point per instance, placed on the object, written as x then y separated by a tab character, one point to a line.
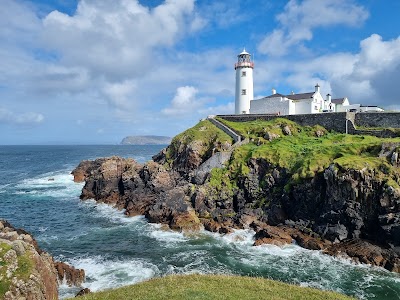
243	73
316	107
243	92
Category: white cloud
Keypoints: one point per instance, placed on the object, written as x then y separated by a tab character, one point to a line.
298	20
119	93
372	79
224	109
184	102
27	118
116	39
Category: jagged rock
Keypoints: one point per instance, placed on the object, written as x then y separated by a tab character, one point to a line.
272	235
42	280
366	252
69	274
40	283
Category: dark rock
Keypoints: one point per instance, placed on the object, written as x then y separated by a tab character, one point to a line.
82	292
363	251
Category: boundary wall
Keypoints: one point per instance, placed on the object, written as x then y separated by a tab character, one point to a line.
376	123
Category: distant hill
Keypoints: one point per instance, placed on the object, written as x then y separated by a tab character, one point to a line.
146	140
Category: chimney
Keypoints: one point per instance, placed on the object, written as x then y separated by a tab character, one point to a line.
273	91
292	93
328	98
317	88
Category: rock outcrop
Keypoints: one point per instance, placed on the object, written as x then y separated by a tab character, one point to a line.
343	212
27	272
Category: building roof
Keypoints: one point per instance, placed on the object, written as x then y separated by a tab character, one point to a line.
338	100
275	95
300	96
291	96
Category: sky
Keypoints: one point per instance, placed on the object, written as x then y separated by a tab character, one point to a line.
95	71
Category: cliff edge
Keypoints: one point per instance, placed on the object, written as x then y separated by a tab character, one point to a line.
26	271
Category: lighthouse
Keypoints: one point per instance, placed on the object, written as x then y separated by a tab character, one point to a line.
244	83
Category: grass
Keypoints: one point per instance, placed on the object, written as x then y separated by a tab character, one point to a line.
303	154
198	287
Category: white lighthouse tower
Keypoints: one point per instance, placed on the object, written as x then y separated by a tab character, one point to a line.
244	83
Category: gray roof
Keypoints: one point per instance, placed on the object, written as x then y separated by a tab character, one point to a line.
274	95
300	96
338	100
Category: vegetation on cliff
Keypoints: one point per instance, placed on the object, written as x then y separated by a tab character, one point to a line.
305	151
13	266
200	141
213	287
27	272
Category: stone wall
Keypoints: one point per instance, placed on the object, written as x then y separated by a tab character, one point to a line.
331	121
236	137
335	121
378	119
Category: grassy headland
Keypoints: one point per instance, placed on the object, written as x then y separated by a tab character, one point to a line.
213	287
308	150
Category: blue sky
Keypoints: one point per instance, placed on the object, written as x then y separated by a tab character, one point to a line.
93	72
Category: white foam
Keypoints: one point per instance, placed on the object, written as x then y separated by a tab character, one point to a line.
58	184
163	234
106	211
239	237
104	274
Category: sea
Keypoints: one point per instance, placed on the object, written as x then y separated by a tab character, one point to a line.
37	193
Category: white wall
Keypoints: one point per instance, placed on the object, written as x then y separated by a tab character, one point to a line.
303	106
242	102
344	108
276	105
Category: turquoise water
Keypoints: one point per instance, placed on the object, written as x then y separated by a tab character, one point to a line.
116	250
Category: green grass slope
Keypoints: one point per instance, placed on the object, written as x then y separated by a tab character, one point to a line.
198	287
309	150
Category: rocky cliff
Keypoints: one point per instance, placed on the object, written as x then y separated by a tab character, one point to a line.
344	201
27	272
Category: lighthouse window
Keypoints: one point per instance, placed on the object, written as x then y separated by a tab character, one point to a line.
243	92
243	73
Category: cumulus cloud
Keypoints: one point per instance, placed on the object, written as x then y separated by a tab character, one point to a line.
298	20
371	80
184	102
116	39
27	118
119	93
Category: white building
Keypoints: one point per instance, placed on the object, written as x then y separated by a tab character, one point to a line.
279	104
244	83
292	104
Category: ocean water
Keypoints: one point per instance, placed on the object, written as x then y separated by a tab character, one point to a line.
116	250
